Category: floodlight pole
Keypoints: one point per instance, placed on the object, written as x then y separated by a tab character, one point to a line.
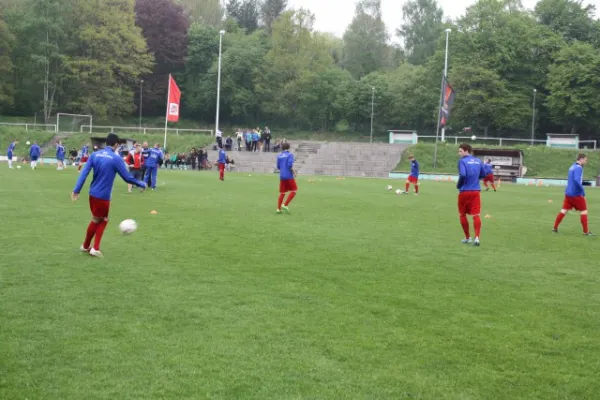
221	33
141	100
533	118
372	111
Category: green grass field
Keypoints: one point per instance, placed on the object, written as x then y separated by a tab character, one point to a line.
358	294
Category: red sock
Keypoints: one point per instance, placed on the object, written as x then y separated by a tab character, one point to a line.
407	186
99	233
584	223
464	222
91	230
477	224
416	188
493	186
290	198
280	200
558	220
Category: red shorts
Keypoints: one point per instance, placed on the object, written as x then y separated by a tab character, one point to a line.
221	167
489	178
469	202
99	207
574	202
288	185
84	159
413	179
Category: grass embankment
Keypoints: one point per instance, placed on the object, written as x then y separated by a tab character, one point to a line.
541	161
9	134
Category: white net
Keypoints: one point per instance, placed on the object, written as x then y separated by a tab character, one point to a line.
74	122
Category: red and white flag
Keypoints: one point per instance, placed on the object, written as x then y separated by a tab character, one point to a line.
173	103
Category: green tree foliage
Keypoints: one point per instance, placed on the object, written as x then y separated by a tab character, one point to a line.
270	10
6	87
206	12
570	18
421	29
246	13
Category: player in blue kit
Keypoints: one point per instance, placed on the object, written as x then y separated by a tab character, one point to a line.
287	181
488	171
575	196
413	178
34	154
470	171
60	156
151	164
10	151
222	161
106	165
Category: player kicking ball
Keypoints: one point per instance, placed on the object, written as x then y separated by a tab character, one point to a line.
106	165
287	181
489	175
413	178
575	196
470	171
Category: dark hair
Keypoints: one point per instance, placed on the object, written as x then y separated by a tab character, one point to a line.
466	147
285	146
581	156
112	139
410	156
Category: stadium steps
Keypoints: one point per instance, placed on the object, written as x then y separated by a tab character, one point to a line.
51	145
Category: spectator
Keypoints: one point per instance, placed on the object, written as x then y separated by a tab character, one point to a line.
193	157
219	138
254	140
239	136
267	137
228	143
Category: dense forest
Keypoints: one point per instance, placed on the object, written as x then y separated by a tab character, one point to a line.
93	56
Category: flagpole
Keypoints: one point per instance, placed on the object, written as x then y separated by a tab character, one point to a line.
437	130
167	114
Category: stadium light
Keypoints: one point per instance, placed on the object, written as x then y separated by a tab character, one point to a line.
141	98
533	118
372	109
221	33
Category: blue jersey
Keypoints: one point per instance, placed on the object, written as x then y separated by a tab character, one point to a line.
106	165
222	156
285	163
575	181
35	150
11	148
60	151
487	169
414	168
84	151
470	171
154	156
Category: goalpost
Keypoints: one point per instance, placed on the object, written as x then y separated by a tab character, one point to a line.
73	122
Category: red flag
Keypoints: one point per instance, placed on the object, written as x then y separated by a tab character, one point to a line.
173	104
446	102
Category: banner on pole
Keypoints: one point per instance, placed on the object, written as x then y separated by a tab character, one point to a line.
174	99
447	101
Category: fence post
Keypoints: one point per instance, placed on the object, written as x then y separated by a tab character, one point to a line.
456	140
177	131
500	141
144	131
26	127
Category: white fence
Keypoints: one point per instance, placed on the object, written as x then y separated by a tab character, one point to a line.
504	141
34	127
145	130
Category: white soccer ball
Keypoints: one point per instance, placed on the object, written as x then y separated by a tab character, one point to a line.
398	191
28	143
18	167
128	226
473	137
389	187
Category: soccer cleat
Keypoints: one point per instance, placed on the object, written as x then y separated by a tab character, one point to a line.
467	241
476	242
589	234
416	194
278	211
96	253
486	189
83	249
286	209
556	230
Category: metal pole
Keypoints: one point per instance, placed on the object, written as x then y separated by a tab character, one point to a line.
221	33
141	100
437	130
372	110
533	118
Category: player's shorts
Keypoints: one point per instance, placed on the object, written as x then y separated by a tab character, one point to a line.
221	167
99	207
413	179
577	203
9	156
137	173
60	158
84	159
34	158
469	202
489	178
287	185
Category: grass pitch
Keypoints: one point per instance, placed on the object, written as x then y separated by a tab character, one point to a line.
358	294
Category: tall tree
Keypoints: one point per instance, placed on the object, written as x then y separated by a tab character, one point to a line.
366	40
570	18
165	28
207	12
421	29
246	13
6	86
270	10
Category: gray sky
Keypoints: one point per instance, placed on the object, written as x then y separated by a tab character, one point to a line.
335	15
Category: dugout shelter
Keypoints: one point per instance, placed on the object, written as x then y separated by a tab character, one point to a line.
508	163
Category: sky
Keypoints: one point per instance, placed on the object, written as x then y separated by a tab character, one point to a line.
335	15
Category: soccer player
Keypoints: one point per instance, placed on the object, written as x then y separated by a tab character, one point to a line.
222	161
575	196
151	163
60	156
488	171
414	175
135	162
106	165
10	151
34	154
85	155
470	171
287	181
